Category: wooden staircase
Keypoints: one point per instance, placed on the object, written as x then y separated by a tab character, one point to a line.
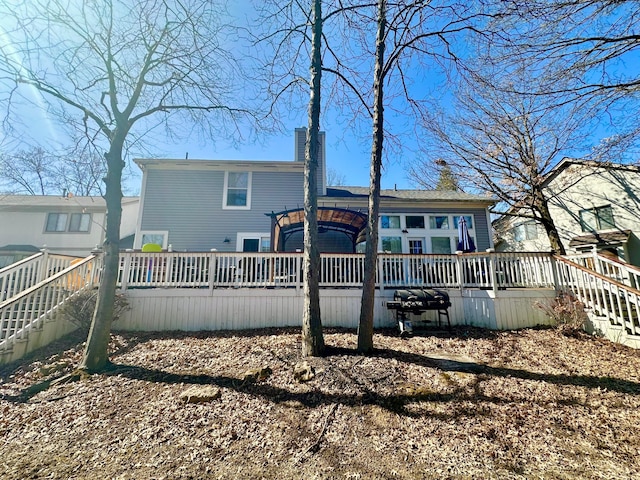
608	290
32	317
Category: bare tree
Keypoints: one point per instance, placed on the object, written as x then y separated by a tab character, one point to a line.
116	69
502	142
335	178
365	324
411	37
38	172
580	51
27	172
418	32
312	338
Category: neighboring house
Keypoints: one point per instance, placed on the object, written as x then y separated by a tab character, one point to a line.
199	205
592	205
66	225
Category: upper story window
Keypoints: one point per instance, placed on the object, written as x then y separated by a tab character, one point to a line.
414	221
56	222
79	222
389	221
63	222
237	190
468	218
526	231
598	218
439	222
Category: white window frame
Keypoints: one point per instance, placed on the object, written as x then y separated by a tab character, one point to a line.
526	231
417	239
164	233
242	236
389	215
226	189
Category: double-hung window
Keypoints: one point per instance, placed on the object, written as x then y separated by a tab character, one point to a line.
598	218
237	191
526	231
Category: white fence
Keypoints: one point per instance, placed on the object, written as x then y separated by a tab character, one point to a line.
214	270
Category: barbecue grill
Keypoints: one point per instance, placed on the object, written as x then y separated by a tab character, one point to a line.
418	301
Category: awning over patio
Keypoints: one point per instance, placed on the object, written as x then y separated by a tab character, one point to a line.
350	222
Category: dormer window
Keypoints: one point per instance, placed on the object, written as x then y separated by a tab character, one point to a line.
237	191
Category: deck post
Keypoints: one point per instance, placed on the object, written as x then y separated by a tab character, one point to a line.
493	270
96	273
554	272
459	269
213	268
126	268
380	273
44	263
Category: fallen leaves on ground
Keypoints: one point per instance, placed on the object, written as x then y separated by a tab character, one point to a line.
464	404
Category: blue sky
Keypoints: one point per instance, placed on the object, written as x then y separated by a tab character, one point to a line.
347	151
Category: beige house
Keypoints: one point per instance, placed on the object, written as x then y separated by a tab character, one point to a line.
67	225
592	204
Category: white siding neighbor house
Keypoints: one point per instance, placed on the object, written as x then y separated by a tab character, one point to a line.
67	225
594	205
245	206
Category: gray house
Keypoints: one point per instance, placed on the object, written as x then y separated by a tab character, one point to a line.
227	205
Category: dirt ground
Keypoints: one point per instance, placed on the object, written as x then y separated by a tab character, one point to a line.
459	405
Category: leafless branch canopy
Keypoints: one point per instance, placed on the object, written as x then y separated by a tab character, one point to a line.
119	62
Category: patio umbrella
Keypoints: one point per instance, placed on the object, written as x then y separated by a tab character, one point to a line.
465	242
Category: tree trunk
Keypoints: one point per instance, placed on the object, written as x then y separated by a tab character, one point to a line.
365	325
541	205
312	339
95	353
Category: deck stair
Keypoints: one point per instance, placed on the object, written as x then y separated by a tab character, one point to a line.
29	319
608	290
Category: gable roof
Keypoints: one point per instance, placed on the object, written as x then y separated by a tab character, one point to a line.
564	164
568	162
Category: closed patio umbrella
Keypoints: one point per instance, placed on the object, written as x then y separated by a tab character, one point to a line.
465	242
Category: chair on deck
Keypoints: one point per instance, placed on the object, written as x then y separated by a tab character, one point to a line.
150	248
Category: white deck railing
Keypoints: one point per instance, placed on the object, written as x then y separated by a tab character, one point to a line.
21	275
601	295
27	310
215	269
609	267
